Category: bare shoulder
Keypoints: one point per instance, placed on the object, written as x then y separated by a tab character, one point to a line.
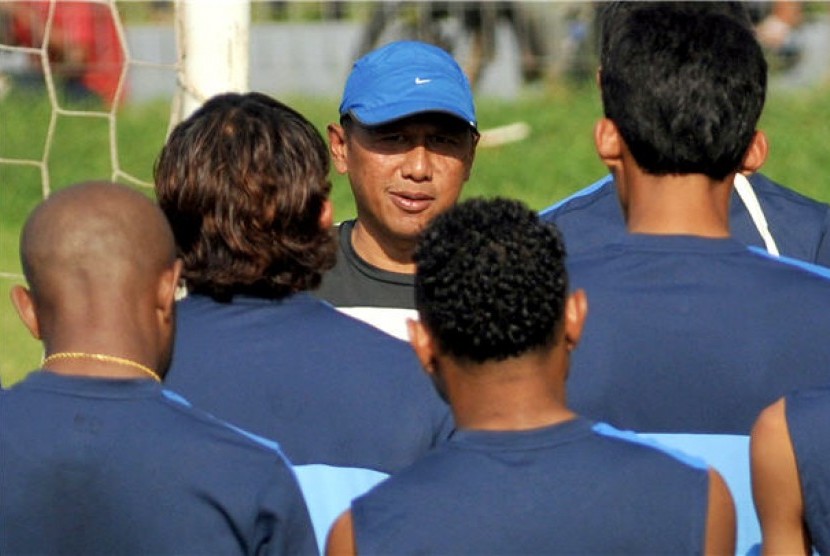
340	540
776	486
720	519
771	424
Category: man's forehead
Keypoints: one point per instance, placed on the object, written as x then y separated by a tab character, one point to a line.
424	120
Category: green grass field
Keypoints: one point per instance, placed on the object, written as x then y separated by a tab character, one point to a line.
557	159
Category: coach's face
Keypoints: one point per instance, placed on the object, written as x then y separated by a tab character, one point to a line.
404	173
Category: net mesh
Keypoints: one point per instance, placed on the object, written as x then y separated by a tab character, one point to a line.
40	55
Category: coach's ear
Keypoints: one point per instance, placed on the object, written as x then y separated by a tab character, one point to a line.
756	154
608	142
338	147
25	307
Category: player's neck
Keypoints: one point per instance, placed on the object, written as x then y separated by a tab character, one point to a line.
111	346
384	253
690	204
521	393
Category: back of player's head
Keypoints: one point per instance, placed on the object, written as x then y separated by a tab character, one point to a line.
685	84
92	243
491	280
244	183
613	14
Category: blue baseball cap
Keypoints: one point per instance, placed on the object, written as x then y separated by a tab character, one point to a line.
405	78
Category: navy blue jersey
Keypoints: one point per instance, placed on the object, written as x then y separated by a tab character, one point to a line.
808	420
348	404
571	488
694	334
692	337
100	466
800	226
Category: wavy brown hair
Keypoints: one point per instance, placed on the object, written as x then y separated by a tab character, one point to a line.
243	182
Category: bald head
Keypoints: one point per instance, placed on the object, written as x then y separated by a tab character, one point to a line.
94	237
100	260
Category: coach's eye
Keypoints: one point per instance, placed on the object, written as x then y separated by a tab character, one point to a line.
444	139
392	138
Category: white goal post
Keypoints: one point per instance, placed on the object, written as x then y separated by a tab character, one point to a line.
213	42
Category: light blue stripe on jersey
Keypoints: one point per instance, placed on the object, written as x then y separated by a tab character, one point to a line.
678	454
329	491
265	442
822	271
729	454
319	533
178	398
599	184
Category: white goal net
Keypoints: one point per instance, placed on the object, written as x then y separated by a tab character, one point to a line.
69	74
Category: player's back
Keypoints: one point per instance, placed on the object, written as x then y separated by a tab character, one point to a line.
573	488
101	466
689	338
694	334
348	403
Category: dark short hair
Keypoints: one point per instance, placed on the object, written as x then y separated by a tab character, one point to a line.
613	14
491	280
685	84
243	182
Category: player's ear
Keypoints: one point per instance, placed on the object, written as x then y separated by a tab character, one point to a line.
338	147
167	286
608	142
576	310
422	344
756	154
25	306
327	215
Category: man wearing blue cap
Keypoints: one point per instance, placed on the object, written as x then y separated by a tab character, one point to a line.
406	138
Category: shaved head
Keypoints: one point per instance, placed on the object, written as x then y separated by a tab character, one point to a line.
94	237
100	259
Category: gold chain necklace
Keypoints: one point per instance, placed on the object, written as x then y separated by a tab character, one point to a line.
105	358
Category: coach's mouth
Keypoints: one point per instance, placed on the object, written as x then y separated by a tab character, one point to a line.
411	201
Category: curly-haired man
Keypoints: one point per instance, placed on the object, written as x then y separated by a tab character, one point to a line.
523	474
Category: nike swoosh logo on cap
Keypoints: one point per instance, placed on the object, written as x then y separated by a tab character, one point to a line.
419	81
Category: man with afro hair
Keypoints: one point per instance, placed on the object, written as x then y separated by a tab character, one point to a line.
523	473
